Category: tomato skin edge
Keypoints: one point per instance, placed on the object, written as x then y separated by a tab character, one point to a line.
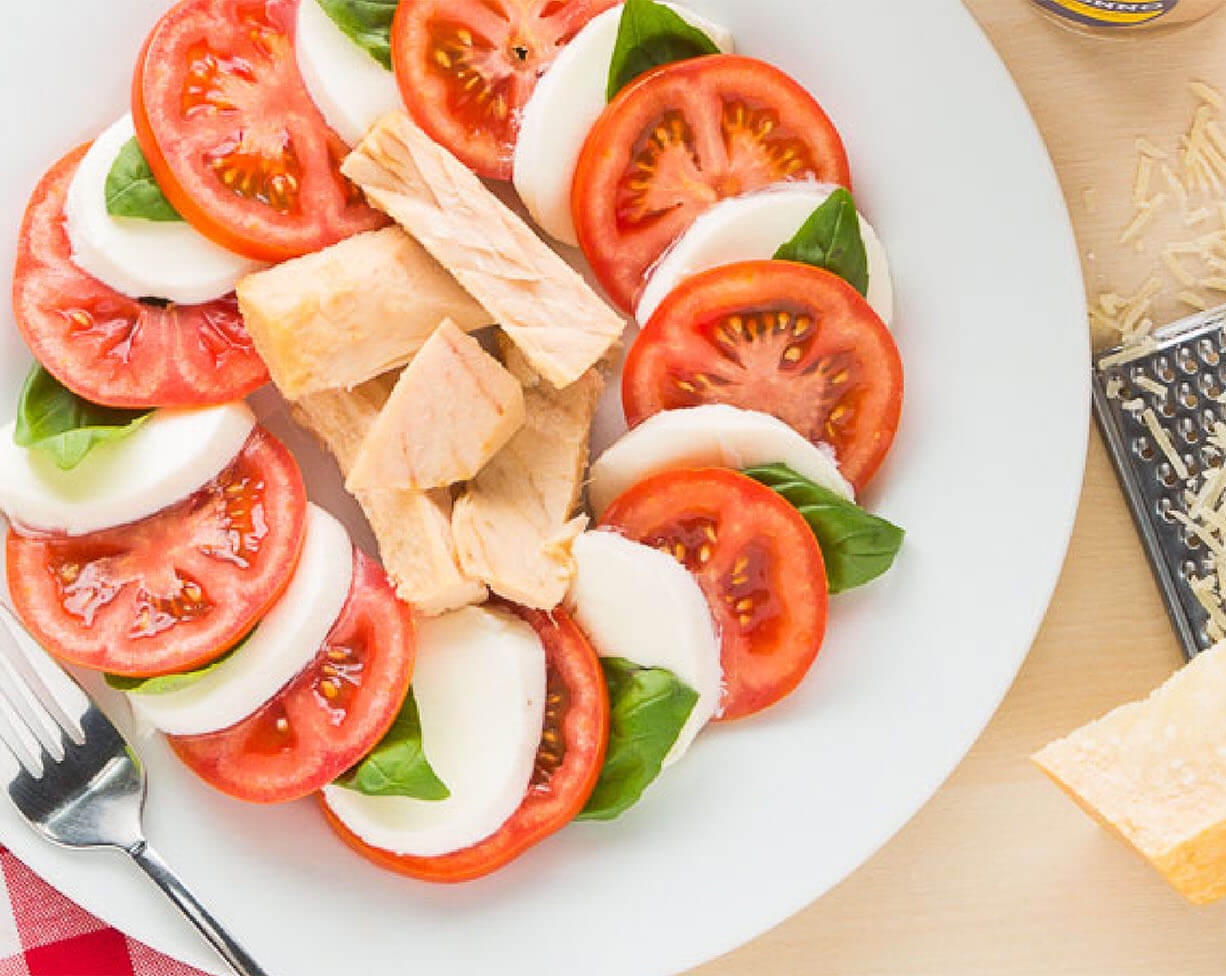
169	185
511	840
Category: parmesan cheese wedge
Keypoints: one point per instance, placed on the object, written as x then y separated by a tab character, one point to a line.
413	528
544	305
454	407
513	527
1154	773
345	315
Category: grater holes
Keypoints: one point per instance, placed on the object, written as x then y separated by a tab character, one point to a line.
1187	361
1166	475
1143	448
1189	570
1208	353
1187	396
1208	565
1165	510
1162	370
1209	420
1210	456
1192	464
1209	386
1164	408
1188	431
1191	539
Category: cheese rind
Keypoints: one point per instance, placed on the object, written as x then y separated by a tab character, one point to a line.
413	528
454	407
344	315
545	306
1154	773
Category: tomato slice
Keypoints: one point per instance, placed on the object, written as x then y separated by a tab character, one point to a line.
173	591
759	566
467	68
112	349
677	140
568	763
331	715
783	338
233	137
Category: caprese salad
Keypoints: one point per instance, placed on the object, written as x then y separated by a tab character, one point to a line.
159	535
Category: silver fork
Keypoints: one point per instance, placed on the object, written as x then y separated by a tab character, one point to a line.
78	782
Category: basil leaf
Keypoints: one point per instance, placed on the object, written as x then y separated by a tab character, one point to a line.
831	239
132	190
398	766
53	419
166	683
649	35
650	706
368	23
858	547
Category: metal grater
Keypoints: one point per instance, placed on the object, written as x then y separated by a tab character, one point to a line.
1189	360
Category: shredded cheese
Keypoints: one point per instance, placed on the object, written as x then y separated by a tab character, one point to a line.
1151	386
1193	300
1206	93
1128	354
1163	440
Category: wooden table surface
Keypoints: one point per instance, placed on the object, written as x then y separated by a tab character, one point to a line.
1000	874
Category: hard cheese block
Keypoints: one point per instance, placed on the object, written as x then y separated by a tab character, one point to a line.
1154	772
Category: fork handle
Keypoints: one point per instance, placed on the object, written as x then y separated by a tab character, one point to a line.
197	914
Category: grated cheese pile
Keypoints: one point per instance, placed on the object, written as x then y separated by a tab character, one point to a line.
1188	180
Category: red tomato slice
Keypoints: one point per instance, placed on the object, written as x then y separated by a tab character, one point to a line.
176	590
568	764
233	137
467	67
759	566
331	715
677	140
112	349
783	338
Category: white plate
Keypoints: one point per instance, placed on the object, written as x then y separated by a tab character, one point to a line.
766	816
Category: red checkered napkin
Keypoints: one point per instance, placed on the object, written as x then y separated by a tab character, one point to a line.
42	933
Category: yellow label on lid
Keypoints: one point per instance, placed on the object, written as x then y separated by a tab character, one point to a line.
1110	13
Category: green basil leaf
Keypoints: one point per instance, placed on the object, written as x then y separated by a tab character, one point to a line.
398	766
132	190
649	35
649	707
858	547
368	23
831	239
53	419
166	683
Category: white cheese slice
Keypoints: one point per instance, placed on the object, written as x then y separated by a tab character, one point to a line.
480	689
563	107
752	228
640	604
349	87
167	260
712	435
171	455
284	643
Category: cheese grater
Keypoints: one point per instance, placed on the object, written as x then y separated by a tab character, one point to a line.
1169	390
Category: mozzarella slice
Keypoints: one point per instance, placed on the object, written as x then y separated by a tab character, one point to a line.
350	88
142	258
284	643
167	458
752	228
640	604
710	436
563	107
480	689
